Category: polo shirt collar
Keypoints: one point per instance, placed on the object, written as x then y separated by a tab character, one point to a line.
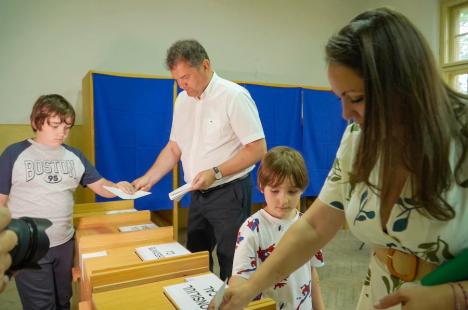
210	86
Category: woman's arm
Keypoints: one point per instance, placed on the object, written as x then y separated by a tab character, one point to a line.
236	280
317	300
315	228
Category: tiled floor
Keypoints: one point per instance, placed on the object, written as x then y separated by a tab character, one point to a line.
341	278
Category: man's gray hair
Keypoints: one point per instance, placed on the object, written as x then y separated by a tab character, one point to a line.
190	51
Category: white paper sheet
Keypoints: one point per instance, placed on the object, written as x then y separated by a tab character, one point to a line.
137	227
121	211
180	192
124	195
218	298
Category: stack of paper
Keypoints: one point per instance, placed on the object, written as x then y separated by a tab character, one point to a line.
180	192
137	227
121	211
196	293
158	251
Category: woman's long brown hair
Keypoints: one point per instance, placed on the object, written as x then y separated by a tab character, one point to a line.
411	116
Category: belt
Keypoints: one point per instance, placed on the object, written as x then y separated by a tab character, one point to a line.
212	189
405	266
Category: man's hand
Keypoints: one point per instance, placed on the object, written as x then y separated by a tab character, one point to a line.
144	183
8	240
203	180
126	187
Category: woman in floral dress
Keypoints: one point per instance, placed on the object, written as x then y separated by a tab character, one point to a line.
400	176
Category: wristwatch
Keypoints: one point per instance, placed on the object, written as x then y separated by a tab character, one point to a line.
218	174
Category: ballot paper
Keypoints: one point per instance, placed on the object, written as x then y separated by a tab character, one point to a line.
124	195
180	192
137	227
121	211
195	293
158	251
218	298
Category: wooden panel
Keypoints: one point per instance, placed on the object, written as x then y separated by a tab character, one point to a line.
114	220
88	127
147	272
151	296
93	243
91	207
123	268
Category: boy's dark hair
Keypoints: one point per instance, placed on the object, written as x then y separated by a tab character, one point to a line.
279	163
190	51
51	105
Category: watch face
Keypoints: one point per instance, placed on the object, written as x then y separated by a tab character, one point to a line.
218	174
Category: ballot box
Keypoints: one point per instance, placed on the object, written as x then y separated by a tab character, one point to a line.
121	267
151	296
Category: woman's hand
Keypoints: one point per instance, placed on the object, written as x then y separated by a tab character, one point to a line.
419	297
237	297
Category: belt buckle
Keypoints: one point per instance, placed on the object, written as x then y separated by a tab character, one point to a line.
413	264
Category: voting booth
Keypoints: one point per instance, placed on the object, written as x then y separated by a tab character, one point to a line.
126	122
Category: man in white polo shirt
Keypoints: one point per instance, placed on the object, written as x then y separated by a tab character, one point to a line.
217	134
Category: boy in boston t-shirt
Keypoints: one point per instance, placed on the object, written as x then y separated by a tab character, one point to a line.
37	179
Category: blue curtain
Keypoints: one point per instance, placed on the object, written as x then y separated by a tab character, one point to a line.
132	119
323	128
280	113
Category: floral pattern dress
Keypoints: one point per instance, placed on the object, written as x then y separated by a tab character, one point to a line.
406	229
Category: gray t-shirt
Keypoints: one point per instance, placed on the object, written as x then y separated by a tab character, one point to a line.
40	181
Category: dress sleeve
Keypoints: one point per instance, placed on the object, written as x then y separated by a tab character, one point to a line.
337	189
245	255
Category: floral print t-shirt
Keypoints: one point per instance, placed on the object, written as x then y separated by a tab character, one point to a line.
257	239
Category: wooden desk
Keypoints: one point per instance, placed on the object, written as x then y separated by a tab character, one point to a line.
122	268
110	223
99	208
151	296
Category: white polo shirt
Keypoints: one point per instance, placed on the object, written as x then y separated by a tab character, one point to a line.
212	129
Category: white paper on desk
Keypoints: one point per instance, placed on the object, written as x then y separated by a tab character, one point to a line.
137	227
180	192
124	195
91	255
218	298
121	211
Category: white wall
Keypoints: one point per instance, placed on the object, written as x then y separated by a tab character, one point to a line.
48	46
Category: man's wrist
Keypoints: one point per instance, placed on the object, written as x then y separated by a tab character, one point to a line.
217	173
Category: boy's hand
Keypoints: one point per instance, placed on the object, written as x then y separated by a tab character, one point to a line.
126	187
